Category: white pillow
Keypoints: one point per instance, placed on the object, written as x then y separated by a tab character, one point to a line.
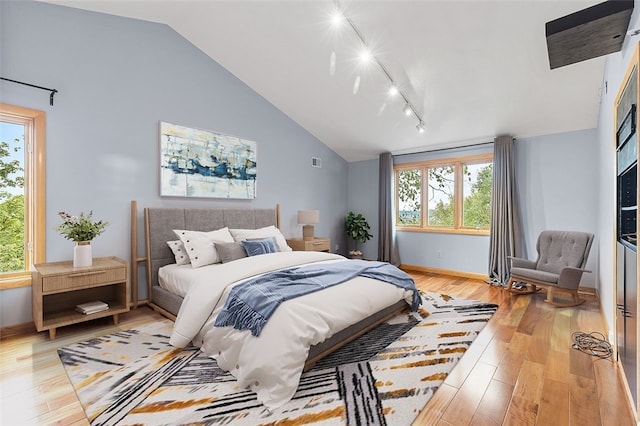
199	245
267	231
179	252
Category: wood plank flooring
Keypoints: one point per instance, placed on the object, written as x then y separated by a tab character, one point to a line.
520	370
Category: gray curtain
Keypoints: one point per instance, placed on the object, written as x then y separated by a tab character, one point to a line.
387	245
506	233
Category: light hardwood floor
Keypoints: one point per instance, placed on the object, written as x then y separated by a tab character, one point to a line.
520	370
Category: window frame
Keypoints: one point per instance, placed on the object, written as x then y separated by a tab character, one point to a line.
458	197
34	191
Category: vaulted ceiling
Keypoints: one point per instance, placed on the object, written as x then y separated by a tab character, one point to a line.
471	69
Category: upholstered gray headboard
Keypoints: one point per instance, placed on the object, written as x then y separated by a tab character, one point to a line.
159	224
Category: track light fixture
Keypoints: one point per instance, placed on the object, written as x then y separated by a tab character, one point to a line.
337	19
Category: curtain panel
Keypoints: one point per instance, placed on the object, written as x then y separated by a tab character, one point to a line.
387	244
506	233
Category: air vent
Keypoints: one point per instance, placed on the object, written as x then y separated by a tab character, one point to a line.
316	162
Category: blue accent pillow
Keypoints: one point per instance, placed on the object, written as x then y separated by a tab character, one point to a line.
263	246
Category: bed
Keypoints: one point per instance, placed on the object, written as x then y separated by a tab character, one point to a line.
160	260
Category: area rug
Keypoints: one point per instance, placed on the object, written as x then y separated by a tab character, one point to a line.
384	377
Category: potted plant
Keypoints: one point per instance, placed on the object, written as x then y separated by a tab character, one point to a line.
82	230
357	228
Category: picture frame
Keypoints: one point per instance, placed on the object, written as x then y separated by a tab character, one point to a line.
206	164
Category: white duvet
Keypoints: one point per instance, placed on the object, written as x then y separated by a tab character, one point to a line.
271	364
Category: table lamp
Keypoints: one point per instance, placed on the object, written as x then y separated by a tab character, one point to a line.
308	218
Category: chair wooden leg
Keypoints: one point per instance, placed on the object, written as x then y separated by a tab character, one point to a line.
576	300
550	295
529	289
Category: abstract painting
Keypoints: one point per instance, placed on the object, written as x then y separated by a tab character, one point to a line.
202	163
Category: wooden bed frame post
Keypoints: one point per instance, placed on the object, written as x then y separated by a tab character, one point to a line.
135	259
134	254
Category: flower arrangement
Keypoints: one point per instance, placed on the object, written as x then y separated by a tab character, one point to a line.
80	228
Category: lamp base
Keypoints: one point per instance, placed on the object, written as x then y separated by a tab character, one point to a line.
307	232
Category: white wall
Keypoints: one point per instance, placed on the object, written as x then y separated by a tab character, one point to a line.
615	68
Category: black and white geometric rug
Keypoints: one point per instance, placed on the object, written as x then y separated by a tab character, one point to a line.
384	377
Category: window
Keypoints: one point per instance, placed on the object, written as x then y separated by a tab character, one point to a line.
451	195
22	194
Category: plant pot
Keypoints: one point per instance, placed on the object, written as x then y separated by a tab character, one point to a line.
82	255
355	256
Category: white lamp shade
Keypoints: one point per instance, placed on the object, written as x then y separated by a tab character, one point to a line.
308	217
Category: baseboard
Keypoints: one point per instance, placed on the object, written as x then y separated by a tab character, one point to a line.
12	330
450	272
588	290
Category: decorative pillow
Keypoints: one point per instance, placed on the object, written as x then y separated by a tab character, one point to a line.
256	247
179	252
230	251
199	245
267	231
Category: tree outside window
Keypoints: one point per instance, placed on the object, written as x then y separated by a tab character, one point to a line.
22	193
457	193
12	207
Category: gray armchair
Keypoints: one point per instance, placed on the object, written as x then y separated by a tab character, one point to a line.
561	259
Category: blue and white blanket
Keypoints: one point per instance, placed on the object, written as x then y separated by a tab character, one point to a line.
251	303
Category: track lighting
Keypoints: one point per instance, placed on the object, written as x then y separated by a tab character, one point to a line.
366	56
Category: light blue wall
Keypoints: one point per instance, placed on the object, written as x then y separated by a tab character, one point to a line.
556	178
117	78
615	68
456	252
556	181
363	198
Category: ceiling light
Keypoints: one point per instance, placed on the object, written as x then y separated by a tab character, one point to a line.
407	109
365	56
393	90
337	18
420	127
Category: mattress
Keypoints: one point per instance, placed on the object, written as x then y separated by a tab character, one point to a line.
178	279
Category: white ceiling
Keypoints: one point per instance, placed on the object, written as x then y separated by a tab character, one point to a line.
472	69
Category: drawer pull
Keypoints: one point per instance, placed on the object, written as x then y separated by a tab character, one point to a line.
318	243
84	274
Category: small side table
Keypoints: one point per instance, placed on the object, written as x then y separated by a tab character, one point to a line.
58	288
317	244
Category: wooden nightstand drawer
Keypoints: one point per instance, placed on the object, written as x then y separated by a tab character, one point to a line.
317	244
83	279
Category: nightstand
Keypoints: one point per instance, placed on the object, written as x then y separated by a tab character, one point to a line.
317	244
58	288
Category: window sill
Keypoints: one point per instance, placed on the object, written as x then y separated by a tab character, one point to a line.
444	231
15	281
